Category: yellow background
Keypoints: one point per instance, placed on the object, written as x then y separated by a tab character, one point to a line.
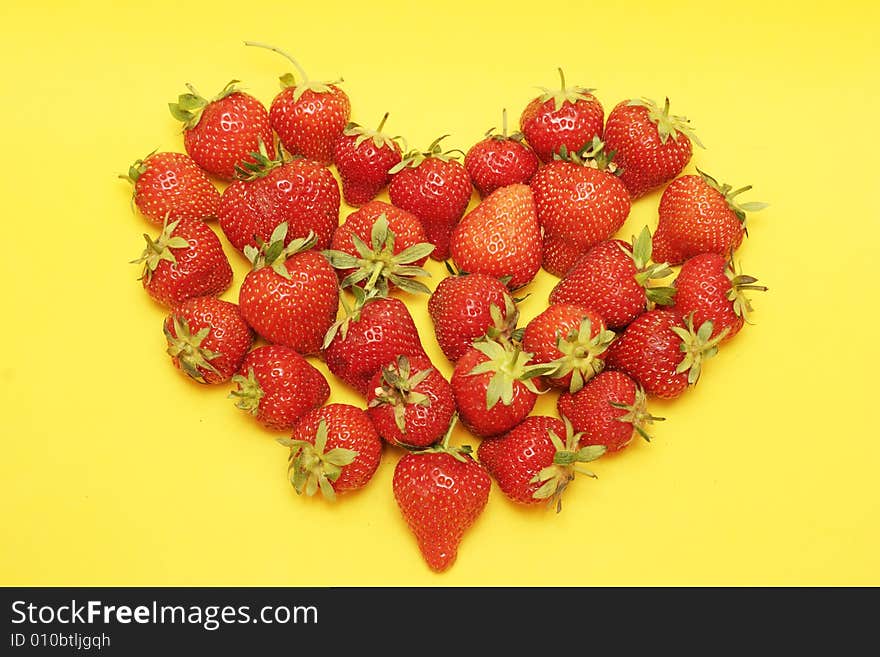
117	470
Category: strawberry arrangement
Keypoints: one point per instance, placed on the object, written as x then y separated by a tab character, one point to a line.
615	332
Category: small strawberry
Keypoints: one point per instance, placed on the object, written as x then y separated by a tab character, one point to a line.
570	117
434	187
334	449
500	237
278	386
222	133
172	185
290	297
363	158
410	403
663	354
535	461
652	147
308	116
607	411
500	160
207	339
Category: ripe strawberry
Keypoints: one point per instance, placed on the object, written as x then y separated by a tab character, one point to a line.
207	338
570	117
639	132
699	215
572	339
300	193
309	116
363	158
185	261
607	411
663	354
334	448
171	185
290	297
278	386
532	463
710	287
500	160
435	188
410	403
614	280
222	133
500	237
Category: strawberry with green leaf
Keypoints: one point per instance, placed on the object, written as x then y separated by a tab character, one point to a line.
500	160
363	158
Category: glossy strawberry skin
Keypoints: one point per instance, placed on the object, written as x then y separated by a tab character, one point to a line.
572	125
310	125
363	168
172	184
498	162
440	498
558	255
590	411
701	288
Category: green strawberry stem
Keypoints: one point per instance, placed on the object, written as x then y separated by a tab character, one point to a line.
668	125
260	167
274	253
742	305
696	346
637	414
187	349
459	453
580	354
351	313
311	467
397	389
160	249
287	80
592	154
414	158
249	393
189	106
730	194
555	478
507	364
642	247
564	94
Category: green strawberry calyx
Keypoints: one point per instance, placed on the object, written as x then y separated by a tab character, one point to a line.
288	79
491	133
274	253
351	312
160	249
379	138
189	106
137	168
668	125
564	94
249	393
414	158
580	354
312	467
697	346
730	194
637	413
459	453
186	348
260	166
508	364
592	154
503	328
739	283
648	271
397	388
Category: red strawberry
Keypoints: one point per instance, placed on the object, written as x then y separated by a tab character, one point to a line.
435	188
571	338
499	161
222	133
300	193
613	279
410	403
207	338
290	297
639	132
710	287
500	237
535	461
699	215
363	158
172	185
278	386
334	448
607	411
308	116
663	354
570	117
441	492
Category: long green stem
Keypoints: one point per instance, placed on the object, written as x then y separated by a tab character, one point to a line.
300	70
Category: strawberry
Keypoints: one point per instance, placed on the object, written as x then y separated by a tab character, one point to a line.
171	185
500	160
441	492
222	133
535	461
709	287
290	297
300	193
570	117
571	338
639	132
663	354
607	411
434	187
613	279
363	158
700	215
500	237
410	403
207	338
334	448
308	116
278	386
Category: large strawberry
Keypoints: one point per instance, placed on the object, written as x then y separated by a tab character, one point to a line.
278	386
500	237
207	339
291	296
308	116
363	158
222	133
435	188
700	215
651	145
570	117
500	160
